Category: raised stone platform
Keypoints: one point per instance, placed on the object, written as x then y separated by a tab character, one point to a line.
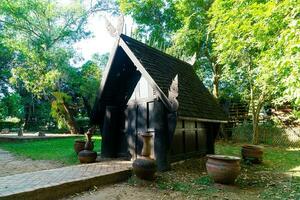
11	137
57	183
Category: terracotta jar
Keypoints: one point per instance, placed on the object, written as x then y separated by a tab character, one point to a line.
87	156
79	145
223	169
252	153
145	167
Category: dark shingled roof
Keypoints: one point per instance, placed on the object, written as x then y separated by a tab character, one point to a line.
194	99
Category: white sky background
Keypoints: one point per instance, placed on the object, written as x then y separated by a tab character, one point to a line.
100	41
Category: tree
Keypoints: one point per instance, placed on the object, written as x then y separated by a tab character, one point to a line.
6	59
40	33
181	27
249	39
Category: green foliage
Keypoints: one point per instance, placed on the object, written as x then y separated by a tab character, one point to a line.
36	47
248	38
157	17
256	54
270	134
58	110
100	59
6	58
61	150
11	106
41	33
90	81
11	125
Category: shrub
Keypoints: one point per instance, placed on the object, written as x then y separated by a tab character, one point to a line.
269	133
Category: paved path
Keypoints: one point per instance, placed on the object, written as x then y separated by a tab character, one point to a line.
56	183
10	164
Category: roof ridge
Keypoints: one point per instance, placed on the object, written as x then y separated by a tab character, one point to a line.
157	50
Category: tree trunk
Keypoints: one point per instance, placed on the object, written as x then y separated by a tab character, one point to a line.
71	123
216	85
255	121
216	78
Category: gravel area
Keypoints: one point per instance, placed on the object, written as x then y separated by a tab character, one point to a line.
11	164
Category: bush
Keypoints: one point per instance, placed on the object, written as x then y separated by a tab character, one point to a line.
269	133
10	125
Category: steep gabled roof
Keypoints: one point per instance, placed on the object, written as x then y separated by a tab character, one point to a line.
194	98
160	69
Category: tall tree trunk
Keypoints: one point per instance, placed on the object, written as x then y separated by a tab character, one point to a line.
70	120
216	85
216	78
254	118
255	121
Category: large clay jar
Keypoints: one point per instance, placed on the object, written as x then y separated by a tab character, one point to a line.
87	156
145	167
223	169
79	145
252	153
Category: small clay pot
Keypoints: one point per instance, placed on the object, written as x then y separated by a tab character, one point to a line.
89	145
223	169
79	145
144	168
252	153
87	156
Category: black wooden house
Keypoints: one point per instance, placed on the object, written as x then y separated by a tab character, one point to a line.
144	90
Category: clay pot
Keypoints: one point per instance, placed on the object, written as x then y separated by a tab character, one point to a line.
223	169
87	156
146	151
89	145
252	153
79	145
144	168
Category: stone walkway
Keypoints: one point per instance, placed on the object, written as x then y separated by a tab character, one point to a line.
56	183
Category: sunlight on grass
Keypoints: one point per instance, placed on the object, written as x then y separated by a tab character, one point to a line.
54	149
293	149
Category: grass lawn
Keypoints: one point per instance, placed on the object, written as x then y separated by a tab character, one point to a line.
60	149
277	178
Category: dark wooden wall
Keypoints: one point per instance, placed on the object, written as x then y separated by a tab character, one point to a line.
145	112
190	139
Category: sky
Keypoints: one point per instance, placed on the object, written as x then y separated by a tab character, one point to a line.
100	42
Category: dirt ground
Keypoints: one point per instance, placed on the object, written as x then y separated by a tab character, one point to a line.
172	185
126	191
10	164
187	180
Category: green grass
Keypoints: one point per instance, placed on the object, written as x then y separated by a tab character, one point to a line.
278	159
60	150
273	179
